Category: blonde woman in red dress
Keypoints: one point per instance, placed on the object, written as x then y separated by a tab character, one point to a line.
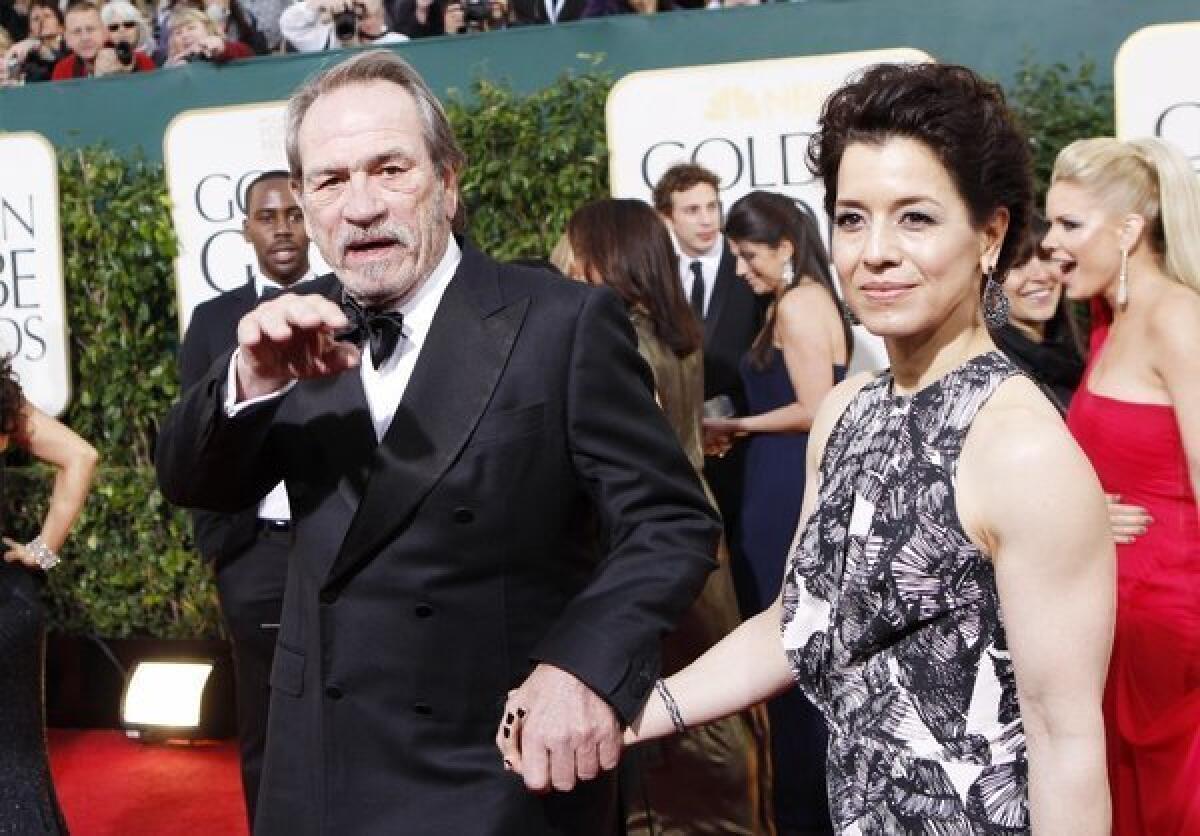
1126	226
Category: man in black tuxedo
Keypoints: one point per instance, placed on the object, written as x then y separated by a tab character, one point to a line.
687	198
485	496
248	548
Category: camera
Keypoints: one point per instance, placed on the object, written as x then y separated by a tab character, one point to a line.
124	52
476	13
345	23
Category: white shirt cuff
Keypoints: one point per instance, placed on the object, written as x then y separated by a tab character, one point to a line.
232	405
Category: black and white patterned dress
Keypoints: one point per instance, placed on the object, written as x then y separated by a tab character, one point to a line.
892	622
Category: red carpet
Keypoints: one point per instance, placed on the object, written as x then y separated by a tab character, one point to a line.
109	785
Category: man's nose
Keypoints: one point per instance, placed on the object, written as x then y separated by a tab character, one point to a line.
363	205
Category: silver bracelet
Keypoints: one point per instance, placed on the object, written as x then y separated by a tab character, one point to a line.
44	555
672	707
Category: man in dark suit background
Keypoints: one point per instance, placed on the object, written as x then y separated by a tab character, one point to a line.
486	497
248	548
688	199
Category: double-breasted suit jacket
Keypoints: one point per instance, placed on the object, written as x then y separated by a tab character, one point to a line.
528	503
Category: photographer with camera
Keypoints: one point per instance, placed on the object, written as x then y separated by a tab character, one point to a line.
316	25
193	36
232	20
462	16
92	51
425	18
33	58
128	34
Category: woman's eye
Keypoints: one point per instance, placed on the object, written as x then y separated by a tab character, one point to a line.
916	219
848	220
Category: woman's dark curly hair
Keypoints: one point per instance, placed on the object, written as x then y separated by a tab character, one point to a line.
961	118
10	398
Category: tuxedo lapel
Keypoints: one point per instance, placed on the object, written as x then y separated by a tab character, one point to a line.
461	361
725	276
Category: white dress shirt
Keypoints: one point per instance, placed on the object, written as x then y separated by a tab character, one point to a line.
275	505
710	262
384	387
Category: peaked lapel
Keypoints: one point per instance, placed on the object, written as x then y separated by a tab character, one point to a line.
725	276
464	354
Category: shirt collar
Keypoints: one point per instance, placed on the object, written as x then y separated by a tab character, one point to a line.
419	309
262	284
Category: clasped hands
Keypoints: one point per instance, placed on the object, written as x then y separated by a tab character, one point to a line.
555	731
720	434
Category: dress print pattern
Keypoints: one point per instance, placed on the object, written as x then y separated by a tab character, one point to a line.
892	623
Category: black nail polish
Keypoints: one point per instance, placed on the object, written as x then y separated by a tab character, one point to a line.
507	733
520	712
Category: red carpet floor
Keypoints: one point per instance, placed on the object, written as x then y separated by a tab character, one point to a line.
109	785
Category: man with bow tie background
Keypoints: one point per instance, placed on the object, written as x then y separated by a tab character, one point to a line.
248	548
497	503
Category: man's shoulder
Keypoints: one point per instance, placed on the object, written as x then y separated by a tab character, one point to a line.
221	305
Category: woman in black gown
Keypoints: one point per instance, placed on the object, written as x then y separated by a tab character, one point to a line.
27	801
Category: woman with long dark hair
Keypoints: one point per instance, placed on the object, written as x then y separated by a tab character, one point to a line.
27	801
800	354
1039	334
712	780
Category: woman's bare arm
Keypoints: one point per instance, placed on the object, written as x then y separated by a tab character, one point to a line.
1033	502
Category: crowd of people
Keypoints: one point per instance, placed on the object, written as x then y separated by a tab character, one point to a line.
43	40
478	498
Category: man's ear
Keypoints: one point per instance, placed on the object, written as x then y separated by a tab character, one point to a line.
450	184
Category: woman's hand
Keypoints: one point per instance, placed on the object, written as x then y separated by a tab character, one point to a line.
20	553
1128	522
719	435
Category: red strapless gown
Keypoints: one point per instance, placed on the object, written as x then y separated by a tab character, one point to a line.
1152	699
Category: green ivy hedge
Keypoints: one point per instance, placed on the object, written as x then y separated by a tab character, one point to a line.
130	568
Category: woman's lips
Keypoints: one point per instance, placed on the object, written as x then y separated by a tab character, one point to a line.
885	291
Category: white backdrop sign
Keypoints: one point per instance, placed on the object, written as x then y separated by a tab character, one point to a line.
210	155
748	122
33	323
1156	81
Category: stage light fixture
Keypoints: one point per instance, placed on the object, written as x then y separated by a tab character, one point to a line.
164	699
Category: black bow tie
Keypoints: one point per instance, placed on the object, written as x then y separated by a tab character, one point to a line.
383	328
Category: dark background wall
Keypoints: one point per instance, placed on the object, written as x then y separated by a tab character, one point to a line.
990	36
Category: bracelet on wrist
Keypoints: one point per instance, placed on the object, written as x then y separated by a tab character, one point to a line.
672	708
43	555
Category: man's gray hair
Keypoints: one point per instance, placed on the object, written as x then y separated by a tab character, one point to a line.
377	65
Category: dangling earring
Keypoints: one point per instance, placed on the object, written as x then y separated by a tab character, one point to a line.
1123	281
789	274
995	303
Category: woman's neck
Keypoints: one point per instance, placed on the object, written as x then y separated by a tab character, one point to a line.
920	360
1145	278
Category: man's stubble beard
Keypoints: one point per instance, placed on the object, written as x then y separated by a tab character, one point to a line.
384	284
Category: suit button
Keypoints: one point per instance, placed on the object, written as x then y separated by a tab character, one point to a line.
333	692
423	708
423	610
328	596
463	515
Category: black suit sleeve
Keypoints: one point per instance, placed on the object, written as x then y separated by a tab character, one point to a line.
661	531
206	459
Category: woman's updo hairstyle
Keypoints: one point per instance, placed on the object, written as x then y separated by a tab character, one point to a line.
958	116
